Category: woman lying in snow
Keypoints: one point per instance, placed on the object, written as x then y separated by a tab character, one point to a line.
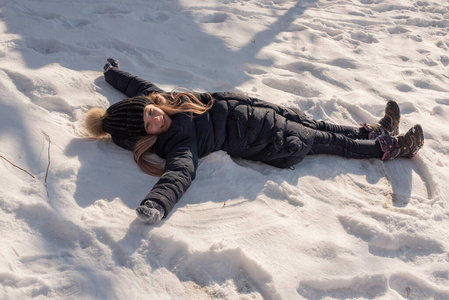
182	127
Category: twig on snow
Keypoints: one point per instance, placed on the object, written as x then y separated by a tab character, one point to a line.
48	166
17	166
49	161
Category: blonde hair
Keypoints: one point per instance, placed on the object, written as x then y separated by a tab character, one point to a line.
182	102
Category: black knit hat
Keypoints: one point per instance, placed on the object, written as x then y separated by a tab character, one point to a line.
124	119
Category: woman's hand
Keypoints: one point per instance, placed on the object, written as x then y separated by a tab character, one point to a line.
110	63
150	212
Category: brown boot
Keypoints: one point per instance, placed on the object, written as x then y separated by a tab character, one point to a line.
403	145
388	125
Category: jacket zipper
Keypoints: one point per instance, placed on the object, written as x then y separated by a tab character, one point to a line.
241	124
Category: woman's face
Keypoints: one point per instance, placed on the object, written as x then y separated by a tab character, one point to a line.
155	120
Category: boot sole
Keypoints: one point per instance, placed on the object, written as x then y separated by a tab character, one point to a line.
416	135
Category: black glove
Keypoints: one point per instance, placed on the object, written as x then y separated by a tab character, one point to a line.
110	63
150	212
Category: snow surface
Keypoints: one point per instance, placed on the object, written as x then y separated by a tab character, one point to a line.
332	228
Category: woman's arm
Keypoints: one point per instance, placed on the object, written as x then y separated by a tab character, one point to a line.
180	164
180	171
129	84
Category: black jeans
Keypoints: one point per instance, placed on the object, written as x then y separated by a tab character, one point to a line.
346	141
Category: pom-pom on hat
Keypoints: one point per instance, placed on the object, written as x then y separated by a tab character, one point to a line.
122	120
93	122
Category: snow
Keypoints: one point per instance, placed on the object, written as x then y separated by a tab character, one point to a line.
332	228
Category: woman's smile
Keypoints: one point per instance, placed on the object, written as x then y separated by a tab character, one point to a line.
155	120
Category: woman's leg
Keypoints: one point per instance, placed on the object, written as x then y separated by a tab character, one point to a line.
358	133
385	147
387	125
338	144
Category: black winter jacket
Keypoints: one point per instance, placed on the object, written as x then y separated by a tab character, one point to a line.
244	127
